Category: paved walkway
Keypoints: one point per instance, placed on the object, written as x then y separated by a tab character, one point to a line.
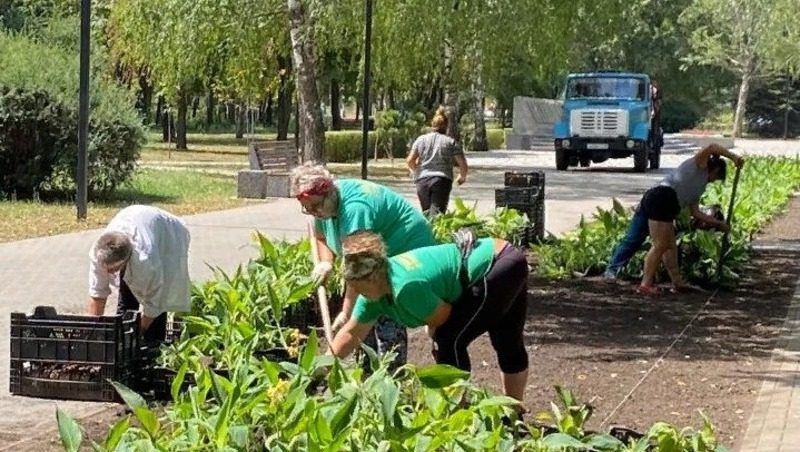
774	424
53	270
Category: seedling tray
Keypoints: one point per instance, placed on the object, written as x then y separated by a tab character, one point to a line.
72	357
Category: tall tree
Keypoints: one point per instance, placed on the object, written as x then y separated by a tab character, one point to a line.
735	35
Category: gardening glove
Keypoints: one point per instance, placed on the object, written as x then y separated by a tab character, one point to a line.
461	179
321	272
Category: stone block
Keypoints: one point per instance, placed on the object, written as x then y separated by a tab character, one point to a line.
277	185
252	184
263	184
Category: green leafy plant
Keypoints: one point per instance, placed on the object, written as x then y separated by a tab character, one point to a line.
765	186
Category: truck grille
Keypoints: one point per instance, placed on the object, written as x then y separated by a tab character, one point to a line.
599	123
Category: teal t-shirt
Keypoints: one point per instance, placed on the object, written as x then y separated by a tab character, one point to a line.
367	206
420	279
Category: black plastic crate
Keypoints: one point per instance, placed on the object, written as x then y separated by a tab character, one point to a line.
526	179
72	357
519	196
305	315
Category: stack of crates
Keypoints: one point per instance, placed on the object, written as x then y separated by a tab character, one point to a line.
524	192
72	356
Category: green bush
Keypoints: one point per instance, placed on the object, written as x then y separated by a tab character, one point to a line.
496	138
345	146
30	65
32	136
38	146
40	109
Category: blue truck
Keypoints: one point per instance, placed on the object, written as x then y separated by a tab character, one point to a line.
607	115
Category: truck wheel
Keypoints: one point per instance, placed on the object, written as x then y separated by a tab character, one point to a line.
562	159
640	160
655	158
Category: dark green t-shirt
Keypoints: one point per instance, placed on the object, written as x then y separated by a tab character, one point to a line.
420	279
367	206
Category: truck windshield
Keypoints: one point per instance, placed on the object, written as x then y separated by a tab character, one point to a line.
606	87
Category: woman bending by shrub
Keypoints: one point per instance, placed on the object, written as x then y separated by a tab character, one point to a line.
458	295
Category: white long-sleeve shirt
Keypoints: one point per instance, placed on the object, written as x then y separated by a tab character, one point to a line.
158	270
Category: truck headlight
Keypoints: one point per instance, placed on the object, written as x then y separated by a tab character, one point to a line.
565	143
630	144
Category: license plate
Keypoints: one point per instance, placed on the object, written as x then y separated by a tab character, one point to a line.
596	145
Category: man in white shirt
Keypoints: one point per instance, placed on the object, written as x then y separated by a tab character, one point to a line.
146	250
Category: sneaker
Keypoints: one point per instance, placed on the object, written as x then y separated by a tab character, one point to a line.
609	276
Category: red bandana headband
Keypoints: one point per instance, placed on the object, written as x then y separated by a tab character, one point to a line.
320	187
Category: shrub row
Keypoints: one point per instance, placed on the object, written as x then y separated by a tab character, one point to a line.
345	146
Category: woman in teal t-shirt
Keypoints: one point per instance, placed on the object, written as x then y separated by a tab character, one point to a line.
424	287
346	206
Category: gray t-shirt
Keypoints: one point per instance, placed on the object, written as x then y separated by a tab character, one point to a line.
689	182
436	152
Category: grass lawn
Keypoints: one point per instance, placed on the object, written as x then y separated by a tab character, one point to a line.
180	192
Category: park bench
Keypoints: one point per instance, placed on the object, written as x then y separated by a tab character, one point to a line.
270	165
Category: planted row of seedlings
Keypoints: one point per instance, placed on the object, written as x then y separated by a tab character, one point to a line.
765	186
228	394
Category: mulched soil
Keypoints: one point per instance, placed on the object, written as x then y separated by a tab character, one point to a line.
602	340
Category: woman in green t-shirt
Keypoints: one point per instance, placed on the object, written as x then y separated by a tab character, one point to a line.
344	206
424	287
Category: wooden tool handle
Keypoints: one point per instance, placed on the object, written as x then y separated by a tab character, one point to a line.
322	296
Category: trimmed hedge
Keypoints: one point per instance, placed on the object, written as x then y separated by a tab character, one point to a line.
496	139
345	145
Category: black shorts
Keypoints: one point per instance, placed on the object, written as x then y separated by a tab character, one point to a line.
660	204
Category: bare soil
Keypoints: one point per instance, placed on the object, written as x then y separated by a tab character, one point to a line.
626	355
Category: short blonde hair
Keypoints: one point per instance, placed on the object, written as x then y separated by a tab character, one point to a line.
364	255
306	176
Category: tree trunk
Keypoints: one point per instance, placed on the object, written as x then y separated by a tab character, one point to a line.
268	110
180	125
310	123
358	111
159	108
284	112
147	96
392	102
479	141
195	106
336	110
241	121
211	104
450	93
741	102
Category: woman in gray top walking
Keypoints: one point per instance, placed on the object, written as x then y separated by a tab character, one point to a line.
658	209
431	159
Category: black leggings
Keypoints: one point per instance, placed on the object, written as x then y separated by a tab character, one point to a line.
496	304
434	194
128	302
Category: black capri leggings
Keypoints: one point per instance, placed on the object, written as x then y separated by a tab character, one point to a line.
496	304
434	194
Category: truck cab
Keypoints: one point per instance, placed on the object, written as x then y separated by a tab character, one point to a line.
607	115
